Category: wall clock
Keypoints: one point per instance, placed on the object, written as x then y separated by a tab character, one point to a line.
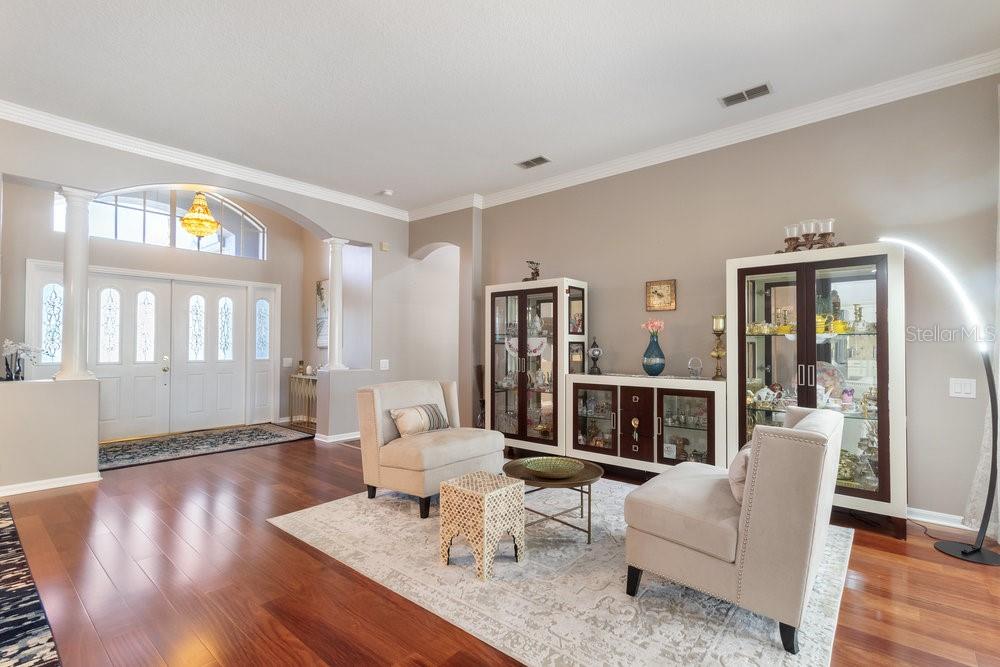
661	295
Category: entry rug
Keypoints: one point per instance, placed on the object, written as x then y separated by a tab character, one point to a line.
25	636
566	603
196	443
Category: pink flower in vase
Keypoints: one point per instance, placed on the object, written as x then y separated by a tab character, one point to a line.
654	327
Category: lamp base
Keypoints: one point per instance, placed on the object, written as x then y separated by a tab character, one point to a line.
959	549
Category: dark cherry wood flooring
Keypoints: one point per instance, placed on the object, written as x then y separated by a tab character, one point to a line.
174	563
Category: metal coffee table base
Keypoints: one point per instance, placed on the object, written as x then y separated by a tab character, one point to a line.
583	490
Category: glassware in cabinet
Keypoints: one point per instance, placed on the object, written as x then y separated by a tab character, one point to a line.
595	418
685	426
506	363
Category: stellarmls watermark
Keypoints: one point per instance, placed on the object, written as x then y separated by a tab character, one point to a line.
942	334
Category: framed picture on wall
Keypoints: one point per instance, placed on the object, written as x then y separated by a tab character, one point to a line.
322	314
661	295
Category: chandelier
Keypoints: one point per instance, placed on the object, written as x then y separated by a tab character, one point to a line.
198	220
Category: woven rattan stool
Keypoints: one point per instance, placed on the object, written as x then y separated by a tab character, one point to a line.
482	507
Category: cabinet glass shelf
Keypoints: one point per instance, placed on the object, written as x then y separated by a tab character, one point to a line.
671	427
847	415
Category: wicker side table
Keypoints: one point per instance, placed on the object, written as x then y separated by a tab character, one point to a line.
482	507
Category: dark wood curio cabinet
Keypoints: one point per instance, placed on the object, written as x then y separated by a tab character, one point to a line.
820	329
537	331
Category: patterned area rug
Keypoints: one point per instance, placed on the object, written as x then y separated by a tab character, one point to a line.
182	445
566	603
25	636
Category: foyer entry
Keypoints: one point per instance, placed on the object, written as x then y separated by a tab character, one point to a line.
171	354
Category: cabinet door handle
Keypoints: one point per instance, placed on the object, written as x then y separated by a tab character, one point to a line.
802	375
812	376
614	421
659	426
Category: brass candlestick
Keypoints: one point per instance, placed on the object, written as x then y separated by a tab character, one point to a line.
719	352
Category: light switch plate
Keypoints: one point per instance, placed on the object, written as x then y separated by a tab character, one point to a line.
383	246
286	362
962	387
383	364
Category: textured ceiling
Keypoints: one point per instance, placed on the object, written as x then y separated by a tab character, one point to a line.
439	99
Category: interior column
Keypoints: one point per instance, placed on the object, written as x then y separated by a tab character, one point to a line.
335	350
76	260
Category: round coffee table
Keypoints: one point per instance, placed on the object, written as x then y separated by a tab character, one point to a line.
581	481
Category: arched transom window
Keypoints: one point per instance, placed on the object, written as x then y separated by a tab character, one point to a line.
154	217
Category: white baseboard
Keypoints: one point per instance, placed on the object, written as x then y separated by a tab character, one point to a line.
282	420
339	437
52	483
937	518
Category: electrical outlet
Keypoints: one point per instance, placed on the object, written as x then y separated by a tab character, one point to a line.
383	364
962	387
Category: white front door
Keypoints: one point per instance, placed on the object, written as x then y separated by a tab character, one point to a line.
208	363
129	344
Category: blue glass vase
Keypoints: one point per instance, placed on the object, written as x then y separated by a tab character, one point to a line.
653	361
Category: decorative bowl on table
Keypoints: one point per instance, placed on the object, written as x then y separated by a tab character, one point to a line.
552	467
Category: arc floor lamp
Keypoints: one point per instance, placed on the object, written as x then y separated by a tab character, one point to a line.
973	553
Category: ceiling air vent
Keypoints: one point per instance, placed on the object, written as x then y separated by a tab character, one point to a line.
746	95
533	162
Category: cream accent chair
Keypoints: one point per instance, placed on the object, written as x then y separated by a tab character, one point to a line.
686	525
417	464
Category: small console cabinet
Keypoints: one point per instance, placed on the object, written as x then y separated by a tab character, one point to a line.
646	423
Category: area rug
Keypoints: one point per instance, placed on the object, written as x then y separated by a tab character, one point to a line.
182	445
566	603
25	636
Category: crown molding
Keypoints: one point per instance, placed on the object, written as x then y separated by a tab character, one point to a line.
66	127
456	204
960	71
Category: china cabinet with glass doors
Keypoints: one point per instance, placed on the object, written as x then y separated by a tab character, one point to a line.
815	329
536	332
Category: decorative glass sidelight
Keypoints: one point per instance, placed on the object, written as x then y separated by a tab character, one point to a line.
225	329
109	326
196	328
52	312
145	326
262	337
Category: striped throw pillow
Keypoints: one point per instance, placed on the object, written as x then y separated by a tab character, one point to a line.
418	419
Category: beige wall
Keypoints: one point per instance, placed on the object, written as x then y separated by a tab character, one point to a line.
26	413
464	230
924	168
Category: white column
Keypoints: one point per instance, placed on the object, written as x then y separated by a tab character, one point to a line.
76	260
335	350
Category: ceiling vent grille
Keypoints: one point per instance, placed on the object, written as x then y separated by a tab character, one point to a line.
746	95
533	162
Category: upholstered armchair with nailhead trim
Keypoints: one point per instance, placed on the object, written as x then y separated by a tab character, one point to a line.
761	554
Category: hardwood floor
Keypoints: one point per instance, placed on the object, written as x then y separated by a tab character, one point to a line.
173	563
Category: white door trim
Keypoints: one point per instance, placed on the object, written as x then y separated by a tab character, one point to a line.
32	265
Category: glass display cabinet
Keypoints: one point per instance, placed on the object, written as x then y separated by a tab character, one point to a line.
646	423
814	329
595	417
685	426
535	331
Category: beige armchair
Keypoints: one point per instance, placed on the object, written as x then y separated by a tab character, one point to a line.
687	526
417	464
